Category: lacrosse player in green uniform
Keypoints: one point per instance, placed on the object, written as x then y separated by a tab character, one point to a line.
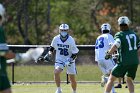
31	54
127	43
4	54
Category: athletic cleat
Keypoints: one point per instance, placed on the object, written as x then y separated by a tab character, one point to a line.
118	86
124	82
126	86
58	91
102	84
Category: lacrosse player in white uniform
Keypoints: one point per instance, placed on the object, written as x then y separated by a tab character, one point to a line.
66	52
103	43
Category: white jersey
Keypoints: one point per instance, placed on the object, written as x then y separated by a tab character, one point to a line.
64	49
103	44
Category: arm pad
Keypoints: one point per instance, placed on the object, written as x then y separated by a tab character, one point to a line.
74	56
51	49
117	43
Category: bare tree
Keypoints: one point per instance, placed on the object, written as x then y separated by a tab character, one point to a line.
23	8
36	21
93	14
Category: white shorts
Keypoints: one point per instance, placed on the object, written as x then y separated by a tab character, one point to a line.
106	66
70	69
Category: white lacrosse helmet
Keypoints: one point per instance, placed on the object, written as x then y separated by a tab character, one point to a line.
63	30
105	26
64	27
2	12
123	20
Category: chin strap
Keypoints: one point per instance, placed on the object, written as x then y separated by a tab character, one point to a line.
64	38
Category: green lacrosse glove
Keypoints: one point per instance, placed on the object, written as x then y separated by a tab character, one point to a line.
108	56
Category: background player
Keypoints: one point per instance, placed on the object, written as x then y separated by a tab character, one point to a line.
127	43
66	52
103	43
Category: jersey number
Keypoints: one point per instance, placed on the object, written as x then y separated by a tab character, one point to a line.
63	51
99	43
129	37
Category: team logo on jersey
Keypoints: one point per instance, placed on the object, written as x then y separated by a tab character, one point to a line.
62	45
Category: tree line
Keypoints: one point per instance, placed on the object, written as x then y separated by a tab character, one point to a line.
37	21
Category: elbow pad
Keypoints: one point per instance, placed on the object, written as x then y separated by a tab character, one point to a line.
117	43
73	56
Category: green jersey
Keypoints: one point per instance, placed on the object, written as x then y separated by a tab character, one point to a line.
2	59
128	54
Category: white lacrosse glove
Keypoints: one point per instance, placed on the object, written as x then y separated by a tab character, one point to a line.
48	57
69	62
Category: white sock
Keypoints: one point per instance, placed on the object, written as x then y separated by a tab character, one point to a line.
59	88
74	91
113	89
106	92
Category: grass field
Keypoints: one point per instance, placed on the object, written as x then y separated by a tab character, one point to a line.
45	74
81	88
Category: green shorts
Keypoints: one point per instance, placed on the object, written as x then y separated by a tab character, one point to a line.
129	70
4	83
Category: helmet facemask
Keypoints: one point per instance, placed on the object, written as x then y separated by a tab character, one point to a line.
63	33
63	30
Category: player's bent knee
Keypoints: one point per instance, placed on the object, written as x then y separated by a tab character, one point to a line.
112	78
57	71
72	78
129	79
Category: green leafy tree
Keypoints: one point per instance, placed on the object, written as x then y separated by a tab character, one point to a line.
37	21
